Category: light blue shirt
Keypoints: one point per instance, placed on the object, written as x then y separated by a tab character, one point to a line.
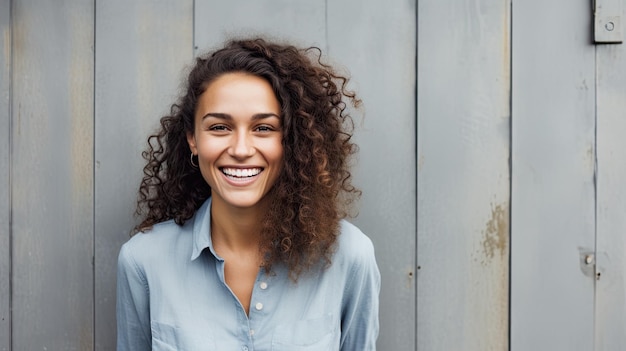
171	295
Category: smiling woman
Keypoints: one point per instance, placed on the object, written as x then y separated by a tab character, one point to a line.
242	244
238	140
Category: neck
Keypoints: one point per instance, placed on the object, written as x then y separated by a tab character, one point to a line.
235	228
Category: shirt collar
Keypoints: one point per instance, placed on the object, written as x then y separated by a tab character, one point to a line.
202	231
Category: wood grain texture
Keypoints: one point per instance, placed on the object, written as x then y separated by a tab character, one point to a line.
610	307
143	49
463	175
52	175
5	186
376	43
553	163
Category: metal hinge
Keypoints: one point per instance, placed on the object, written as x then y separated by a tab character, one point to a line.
608	22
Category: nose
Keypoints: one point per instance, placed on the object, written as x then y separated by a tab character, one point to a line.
241	145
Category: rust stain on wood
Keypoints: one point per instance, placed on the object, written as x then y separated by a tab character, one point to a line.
496	233
490	274
495	255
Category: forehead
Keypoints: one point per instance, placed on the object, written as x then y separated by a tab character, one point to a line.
238	90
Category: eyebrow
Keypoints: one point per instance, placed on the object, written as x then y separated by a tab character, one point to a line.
226	116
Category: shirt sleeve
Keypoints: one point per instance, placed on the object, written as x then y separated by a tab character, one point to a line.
359	323
133	311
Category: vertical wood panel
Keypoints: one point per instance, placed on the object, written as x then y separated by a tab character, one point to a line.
553	162
52	175
302	22
142	49
463	175
5	186
376	42
610	329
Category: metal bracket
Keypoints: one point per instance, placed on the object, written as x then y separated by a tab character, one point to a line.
608	22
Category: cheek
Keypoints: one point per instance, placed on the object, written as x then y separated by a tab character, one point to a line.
208	154
209	149
277	155
208	172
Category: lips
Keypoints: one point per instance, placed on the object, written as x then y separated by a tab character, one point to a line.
241	173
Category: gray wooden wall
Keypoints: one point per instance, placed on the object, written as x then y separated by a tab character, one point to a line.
493	160
569	175
84	83
463	174
554	178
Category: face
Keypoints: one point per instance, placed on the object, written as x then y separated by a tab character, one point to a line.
238	139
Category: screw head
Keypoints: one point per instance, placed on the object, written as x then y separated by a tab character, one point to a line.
609	26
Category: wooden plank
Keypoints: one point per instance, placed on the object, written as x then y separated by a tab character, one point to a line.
381	60
463	146
553	163
52	175
142	50
610	295
301	22
5	185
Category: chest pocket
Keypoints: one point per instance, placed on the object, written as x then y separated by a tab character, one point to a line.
316	334
166	337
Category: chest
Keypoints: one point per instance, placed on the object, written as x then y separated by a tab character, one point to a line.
202	312
240	276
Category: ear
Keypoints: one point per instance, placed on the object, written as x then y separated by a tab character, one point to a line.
191	140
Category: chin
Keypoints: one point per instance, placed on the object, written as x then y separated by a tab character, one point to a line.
245	202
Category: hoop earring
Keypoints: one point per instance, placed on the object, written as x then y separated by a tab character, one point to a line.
195	165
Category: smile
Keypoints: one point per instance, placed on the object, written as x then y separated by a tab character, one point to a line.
241	172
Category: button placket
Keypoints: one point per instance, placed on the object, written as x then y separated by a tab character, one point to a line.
259	305
262	286
255	316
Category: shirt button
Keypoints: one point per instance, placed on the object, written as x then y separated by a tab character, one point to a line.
263	285
251	332
258	306
245	348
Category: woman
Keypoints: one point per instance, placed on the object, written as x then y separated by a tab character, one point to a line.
242	243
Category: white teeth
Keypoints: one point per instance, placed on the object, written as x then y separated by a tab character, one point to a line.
241	173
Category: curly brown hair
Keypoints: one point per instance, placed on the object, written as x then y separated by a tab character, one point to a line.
314	190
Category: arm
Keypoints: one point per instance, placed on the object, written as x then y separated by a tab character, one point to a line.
359	322
133	311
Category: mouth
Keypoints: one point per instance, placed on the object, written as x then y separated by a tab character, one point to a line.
241	173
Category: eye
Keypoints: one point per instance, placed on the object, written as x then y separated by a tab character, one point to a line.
218	128
264	128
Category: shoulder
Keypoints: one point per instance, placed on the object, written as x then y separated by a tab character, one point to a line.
352	240
155	243
159	236
353	246
355	261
